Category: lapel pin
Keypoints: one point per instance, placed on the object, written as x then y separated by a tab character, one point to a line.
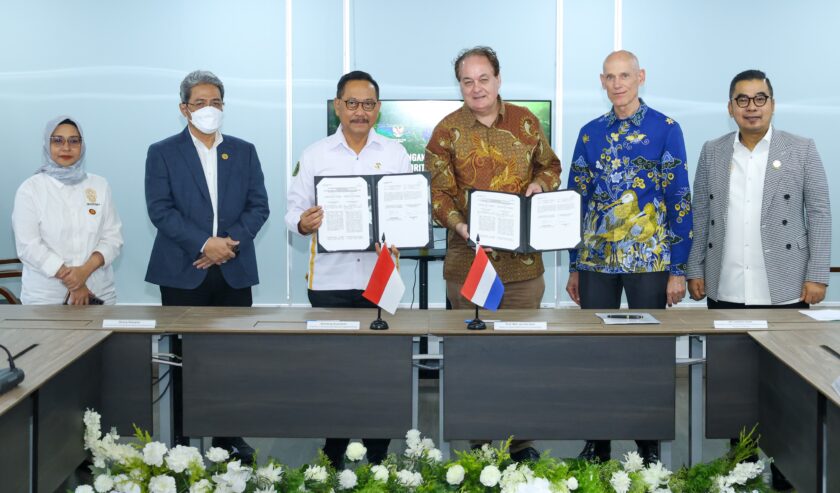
225	156
377	165
777	164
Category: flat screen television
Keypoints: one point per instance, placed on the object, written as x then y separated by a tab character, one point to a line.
411	121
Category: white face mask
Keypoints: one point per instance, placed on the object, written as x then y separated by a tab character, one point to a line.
208	120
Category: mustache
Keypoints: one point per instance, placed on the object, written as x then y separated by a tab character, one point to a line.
360	120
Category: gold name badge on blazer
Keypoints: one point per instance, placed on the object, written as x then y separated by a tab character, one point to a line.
225	156
90	194
777	164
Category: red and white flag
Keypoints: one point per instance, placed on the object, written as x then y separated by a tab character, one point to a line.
385	287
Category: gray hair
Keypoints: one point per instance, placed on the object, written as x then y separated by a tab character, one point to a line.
200	77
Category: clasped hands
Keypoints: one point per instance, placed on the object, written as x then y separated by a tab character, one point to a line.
216	252
74	279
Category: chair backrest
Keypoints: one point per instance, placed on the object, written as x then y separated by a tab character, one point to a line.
7	273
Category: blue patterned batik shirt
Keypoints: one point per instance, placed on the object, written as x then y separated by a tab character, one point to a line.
636	200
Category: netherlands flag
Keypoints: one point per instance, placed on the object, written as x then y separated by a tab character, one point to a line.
483	286
385	287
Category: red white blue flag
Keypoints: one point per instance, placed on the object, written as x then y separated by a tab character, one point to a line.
483	286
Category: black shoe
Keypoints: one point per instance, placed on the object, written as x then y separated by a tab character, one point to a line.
528	454
238	448
596	450
649	450
779	482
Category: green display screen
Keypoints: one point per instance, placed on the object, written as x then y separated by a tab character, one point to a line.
411	122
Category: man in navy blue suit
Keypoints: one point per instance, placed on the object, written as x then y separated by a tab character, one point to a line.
206	197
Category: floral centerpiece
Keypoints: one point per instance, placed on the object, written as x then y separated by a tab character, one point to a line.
147	466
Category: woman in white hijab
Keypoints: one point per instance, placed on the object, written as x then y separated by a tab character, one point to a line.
67	231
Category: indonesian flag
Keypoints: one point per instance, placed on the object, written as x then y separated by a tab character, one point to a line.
483	286
385	287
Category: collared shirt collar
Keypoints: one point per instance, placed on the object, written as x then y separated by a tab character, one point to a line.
200	145
470	116
338	138
636	119
766	138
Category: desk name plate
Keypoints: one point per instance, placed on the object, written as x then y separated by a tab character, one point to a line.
740	324
128	324
332	325
499	325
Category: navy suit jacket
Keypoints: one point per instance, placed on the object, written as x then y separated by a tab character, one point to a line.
178	202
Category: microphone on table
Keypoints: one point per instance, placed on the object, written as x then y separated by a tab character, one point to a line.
11	377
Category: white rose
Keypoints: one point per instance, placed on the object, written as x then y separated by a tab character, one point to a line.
347	479
427	443
572	483
434	455
153	453
490	476
103	483
203	486
217	454
315	473
84	489
162	484
380	473
355	451
620	481
455	475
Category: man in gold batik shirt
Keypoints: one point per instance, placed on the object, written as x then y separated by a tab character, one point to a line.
488	144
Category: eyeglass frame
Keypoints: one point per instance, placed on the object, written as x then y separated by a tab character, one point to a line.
60	140
216	103
752	100
367	105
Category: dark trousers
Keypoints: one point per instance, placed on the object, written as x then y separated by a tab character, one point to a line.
645	291
334	448
213	291
339	298
725	305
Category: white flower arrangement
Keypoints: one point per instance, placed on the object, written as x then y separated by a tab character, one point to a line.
455	474
621	482
380	473
490	476
355	452
217	454
347	479
632	462
146	466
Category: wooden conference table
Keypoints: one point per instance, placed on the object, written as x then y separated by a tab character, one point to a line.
258	372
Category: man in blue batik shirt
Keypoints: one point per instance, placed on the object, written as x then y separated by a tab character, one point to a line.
629	165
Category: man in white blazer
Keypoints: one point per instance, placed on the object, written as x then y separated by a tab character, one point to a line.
762	219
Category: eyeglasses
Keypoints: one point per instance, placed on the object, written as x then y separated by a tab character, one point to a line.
759	99
201	103
367	104
58	140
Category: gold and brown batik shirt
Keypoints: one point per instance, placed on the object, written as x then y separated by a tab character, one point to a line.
463	155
